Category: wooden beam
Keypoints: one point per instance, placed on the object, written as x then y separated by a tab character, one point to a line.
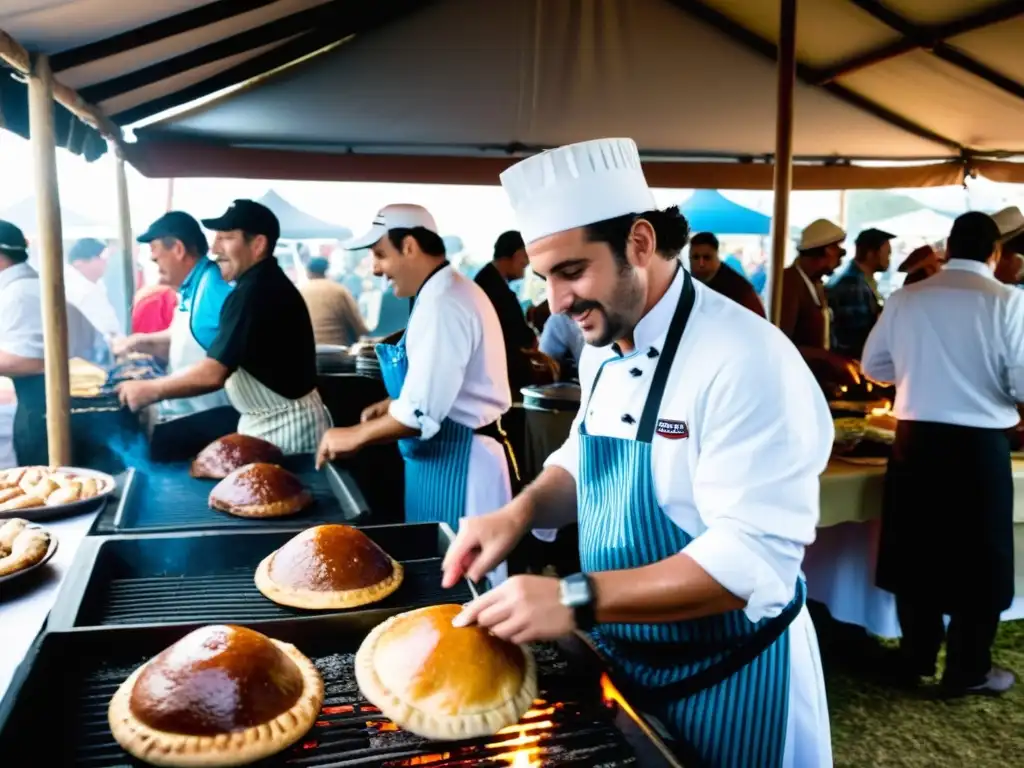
51	263
162	29
363	18
783	175
17	57
805	74
250	39
124	220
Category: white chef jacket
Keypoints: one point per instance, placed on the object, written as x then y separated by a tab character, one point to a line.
954	346
457	370
92	301
745	482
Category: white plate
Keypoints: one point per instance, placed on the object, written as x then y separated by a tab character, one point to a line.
108	485
50	552
867	461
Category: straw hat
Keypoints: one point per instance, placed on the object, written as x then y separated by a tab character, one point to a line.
820	233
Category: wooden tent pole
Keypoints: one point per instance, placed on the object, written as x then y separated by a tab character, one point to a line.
51	262
124	216
783	181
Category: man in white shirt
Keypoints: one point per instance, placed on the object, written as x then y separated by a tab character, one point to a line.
83	285
954	346
21	343
446	378
692	469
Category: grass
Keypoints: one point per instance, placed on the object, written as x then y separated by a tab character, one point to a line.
877	726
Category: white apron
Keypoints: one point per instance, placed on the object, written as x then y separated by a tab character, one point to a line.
186	351
294	426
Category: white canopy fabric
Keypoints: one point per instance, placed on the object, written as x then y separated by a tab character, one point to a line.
445	91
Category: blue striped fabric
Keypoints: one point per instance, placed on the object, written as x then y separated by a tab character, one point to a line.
740	722
436	470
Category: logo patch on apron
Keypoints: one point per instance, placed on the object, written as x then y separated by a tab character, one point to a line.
673	430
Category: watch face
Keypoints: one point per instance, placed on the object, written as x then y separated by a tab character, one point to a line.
575	592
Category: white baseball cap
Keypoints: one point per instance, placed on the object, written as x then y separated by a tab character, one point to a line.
1010	222
397	216
819	233
576	185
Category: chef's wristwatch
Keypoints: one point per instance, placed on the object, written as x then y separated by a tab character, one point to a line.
577	592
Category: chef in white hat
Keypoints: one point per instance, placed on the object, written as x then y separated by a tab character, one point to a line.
446	378
692	469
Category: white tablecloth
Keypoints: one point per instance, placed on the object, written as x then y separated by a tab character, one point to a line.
23	611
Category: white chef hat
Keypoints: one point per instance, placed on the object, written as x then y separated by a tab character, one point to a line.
576	185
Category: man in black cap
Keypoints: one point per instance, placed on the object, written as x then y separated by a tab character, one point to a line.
179	249
21	343
853	295
264	355
954	347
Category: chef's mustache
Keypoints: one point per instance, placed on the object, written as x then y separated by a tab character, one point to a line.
582	305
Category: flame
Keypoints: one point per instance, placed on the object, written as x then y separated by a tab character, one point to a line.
883	410
382	726
521	727
342	710
610	696
524	758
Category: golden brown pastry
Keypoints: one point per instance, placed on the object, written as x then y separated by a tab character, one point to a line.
6	494
260	490
220	696
226	454
443	682
24	501
68	493
328	567
30	487
21	546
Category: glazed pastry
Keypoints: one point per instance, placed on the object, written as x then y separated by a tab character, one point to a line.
21	547
443	682
328	567
30	487
220	696
226	454
24	501
260	490
66	494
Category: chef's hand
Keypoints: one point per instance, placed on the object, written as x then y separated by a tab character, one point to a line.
137	394
524	609
124	345
338	443
483	543
375	411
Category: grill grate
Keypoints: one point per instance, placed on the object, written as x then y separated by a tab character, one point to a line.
232	596
165	497
559	732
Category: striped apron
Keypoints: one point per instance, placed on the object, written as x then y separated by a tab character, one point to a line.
294	426
436	470
719	685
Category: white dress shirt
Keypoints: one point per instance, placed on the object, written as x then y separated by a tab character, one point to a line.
92	300
744	483
21	319
456	353
954	347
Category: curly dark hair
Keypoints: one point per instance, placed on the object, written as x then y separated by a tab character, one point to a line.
671	232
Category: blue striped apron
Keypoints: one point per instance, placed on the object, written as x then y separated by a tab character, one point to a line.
718	685
436	470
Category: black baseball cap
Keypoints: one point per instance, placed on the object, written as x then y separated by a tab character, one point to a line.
180	226
248	216
873	238
13	242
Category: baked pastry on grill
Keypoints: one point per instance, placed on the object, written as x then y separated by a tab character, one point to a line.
220	696
21	545
226	454
328	567
443	682
260	490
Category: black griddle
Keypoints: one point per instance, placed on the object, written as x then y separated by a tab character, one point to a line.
165	498
55	712
187	578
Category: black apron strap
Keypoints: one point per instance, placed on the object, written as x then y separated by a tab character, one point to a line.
649	418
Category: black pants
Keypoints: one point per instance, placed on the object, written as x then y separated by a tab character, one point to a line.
968	640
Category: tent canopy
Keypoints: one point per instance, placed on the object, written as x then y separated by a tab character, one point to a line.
708	210
299	225
434	90
24	215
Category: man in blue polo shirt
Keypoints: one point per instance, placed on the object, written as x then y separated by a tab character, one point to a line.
178	247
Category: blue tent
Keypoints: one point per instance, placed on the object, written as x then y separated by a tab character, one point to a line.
709	211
